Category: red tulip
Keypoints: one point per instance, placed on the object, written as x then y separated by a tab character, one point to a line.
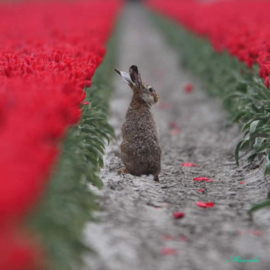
45	59
19	251
266	81
248	41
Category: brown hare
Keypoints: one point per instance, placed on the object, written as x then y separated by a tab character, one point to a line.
140	150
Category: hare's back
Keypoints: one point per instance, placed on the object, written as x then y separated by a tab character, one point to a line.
140	140
141	155
139	125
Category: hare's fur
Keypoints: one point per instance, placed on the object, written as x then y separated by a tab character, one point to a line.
140	150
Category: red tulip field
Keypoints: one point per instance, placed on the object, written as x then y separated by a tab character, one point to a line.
240	27
235	30
49	53
64	203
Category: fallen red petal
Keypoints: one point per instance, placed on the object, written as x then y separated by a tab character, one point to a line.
178	215
168	251
167	237
183	238
188	87
209	204
175	131
257	233
251	232
203	179
172	125
205	204
201	190
189	164
242	182
200	179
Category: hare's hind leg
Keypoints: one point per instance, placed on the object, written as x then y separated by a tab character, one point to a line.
156	178
122	170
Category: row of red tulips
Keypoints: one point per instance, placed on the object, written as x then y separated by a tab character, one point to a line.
241	27
48	54
226	44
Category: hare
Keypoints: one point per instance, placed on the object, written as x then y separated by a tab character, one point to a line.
140	150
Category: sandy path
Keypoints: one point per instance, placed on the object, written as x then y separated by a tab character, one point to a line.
137	212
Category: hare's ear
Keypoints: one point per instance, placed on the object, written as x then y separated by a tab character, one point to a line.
125	76
135	75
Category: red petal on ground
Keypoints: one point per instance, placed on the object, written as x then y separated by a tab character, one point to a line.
189	164
203	179
209	204
175	131
174	128
172	125
201	190
167	237
188	87
257	233
168	251
85	103
251	232
178	215
242	182
200	179
205	204
183	238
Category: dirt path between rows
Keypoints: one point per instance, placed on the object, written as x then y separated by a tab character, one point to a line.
136	218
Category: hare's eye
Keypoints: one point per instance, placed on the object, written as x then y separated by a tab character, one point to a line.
150	89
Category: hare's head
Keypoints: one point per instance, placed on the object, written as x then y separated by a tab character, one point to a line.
146	92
